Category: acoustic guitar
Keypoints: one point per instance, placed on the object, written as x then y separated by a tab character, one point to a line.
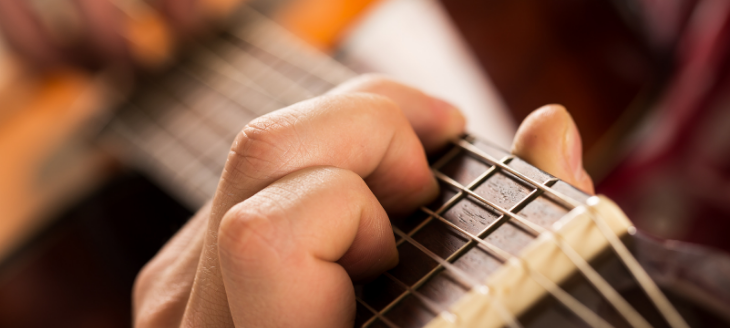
505	244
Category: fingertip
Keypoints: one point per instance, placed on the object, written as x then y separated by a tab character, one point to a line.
449	121
585	183
549	139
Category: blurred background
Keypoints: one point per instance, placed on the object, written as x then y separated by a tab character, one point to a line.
115	116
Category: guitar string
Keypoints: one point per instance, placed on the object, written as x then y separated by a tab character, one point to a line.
452	201
556	291
563	297
656	296
608	292
377	315
561	198
432	306
472	282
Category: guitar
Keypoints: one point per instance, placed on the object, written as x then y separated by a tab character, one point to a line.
505	244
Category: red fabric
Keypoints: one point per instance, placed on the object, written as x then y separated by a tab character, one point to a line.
675	183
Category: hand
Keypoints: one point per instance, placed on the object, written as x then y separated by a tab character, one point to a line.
102	32
302	208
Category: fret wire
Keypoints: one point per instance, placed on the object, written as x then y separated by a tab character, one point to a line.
563	200
556	291
466	247
528	226
475	284
431	305
599	283
454	199
446	206
670	314
376	313
657	297
496	252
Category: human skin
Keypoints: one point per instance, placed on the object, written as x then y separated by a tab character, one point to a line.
302	207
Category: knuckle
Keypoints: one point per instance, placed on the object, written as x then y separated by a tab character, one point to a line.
242	230
261	145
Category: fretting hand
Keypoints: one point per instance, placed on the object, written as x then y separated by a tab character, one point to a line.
302	207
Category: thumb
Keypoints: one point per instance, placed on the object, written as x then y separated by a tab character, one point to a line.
549	139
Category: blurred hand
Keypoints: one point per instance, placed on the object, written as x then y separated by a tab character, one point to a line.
103	32
302	208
